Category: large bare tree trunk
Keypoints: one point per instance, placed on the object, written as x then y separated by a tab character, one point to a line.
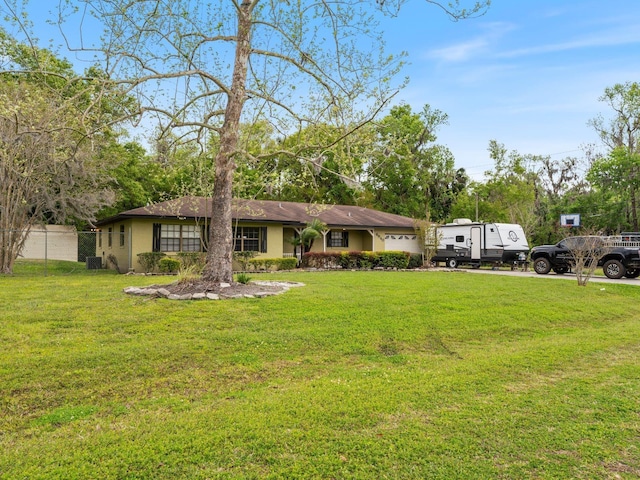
219	266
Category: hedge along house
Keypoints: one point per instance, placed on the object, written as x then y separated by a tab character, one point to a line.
265	227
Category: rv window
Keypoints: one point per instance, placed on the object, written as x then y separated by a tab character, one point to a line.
459	238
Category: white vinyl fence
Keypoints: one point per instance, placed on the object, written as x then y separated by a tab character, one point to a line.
60	242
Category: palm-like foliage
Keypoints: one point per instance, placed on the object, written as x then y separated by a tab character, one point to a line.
307	236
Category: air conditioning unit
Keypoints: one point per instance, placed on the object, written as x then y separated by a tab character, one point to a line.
94	263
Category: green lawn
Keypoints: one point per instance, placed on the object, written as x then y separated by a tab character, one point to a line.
368	375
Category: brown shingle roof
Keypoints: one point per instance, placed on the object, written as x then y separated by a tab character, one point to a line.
290	213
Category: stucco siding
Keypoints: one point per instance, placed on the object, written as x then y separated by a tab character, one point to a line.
114	239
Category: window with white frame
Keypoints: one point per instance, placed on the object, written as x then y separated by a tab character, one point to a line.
179	238
190	238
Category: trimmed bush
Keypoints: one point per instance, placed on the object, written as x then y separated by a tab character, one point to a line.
322	260
169	265
393	259
356	260
415	261
149	260
289	263
267	264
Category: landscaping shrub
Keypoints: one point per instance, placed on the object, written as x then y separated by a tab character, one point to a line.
192	260
287	263
189	274
243	258
262	263
169	265
149	260
321	260
367	260
113	260
356	260
415	261
267	264
346	260
393	259
243	278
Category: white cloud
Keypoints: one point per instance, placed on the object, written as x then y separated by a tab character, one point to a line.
480	45
461	51
600	39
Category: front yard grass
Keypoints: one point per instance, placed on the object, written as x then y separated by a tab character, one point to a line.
357	375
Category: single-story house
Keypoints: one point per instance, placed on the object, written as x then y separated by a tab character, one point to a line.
263	226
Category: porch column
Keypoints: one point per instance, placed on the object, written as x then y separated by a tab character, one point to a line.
324	240
298	230
372	232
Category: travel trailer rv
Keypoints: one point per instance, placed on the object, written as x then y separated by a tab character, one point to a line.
467	242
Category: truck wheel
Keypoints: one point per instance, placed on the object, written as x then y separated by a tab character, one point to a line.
452	263
560	270
542	265
632	273
614	269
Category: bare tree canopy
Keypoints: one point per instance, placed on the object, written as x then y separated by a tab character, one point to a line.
47	169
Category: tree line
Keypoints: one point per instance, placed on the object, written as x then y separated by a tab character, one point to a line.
396	165
256	100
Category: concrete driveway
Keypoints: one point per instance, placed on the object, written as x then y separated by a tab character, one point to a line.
550	275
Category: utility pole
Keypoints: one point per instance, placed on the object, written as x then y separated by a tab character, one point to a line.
476	206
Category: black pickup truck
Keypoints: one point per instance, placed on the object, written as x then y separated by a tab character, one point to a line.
619	256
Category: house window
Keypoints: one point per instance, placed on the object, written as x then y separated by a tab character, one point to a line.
122	235
179	238
191	238
250	239
338	238
110	237
100	239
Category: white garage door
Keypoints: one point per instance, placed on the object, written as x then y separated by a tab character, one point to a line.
401	242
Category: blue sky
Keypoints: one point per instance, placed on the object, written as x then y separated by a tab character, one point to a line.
528	73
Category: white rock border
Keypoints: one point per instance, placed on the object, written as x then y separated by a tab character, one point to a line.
161	292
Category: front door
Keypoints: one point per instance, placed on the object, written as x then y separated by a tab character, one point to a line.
476	251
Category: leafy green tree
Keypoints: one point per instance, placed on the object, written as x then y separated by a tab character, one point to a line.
305	240
616	180
621	134
509	193
135	178
410	174
330	175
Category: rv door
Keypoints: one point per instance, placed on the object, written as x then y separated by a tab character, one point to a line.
476	247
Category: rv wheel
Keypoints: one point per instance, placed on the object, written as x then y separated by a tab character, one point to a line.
452	263
633	273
